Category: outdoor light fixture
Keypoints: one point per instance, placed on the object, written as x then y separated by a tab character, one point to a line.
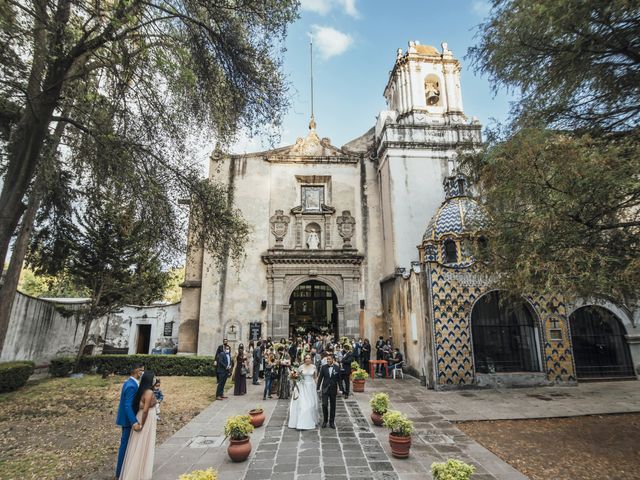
263	304
362	304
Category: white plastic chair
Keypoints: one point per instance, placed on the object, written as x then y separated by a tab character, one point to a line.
398	369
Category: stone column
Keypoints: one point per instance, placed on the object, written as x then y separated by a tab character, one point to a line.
277	318
342	327
351	307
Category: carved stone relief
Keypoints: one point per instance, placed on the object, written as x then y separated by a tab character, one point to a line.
279	226
346	228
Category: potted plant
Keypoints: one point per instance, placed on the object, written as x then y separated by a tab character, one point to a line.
379	406
400	432
354	366
238	429
452	470
257	416
208	474
359	376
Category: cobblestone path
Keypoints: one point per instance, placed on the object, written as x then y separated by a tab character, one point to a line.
351	451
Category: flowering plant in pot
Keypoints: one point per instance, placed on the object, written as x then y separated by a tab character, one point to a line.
379	406
238	429
208	474
257	416
359	376
354	366
400	432
452	470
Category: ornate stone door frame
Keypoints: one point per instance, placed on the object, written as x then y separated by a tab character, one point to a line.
286	269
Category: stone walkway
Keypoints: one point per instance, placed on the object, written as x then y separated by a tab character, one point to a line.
359	450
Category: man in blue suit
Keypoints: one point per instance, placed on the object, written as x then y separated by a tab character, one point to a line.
223	370
126	417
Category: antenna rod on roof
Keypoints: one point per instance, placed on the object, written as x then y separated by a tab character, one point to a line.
312	123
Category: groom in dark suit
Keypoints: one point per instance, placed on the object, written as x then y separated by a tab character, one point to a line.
328	383
126	417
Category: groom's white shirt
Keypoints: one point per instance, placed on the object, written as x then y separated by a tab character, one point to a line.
135	380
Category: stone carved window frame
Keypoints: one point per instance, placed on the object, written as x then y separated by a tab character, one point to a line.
314	181
322	217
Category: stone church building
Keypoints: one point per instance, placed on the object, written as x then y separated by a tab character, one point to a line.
372	238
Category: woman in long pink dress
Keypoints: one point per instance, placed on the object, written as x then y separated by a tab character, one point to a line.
138	460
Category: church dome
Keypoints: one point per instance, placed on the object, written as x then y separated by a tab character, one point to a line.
459	217
427	50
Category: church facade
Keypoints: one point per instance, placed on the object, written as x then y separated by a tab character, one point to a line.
372	239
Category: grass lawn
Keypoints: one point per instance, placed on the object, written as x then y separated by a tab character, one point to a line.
577	448
64	428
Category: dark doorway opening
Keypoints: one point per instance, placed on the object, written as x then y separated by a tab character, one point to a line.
144	339
599	347
314	309
505	336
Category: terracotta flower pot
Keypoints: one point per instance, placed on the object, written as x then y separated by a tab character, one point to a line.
358	385
239	450
257	417
400	446
376	418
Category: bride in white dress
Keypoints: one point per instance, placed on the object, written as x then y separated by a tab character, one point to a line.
303	410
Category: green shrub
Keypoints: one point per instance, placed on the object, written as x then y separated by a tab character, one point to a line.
168	365
398	423
14	375
61	366
355	365
209	474
452	470
360	374
238	427
379	403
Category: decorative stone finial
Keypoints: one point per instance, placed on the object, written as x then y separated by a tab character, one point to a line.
312	123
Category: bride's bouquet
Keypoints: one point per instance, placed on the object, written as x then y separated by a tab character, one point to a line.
294	377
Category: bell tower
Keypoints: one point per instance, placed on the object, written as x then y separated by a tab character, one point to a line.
417	139
424	86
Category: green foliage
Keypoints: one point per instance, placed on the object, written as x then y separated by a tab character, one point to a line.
162	365
238	427
208	474
563	213
61	366
355	365
173	291
360	374
14	375
452	470
48	285
577	64
398	423
379	403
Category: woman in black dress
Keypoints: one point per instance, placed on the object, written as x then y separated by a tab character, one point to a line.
240	374
366	354
284	389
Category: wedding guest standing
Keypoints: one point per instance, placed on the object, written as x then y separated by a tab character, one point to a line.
240	374
138	461
223	367
366	354
269	374
345	370
257	362
126	417
284	390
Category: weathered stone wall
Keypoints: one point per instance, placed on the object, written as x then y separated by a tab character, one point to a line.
41	329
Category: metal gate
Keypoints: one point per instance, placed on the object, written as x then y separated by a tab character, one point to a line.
599	347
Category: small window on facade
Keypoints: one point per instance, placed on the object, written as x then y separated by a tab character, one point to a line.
461	183
483	245
312	198
450	251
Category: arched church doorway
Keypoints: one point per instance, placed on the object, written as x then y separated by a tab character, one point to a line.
314	308
599	347
505	335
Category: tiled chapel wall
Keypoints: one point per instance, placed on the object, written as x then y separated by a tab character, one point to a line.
454	292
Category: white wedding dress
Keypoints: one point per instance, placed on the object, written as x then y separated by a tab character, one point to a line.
303	410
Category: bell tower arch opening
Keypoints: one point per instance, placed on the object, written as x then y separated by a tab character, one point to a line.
313	309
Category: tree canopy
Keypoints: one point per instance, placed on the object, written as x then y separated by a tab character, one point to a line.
560	181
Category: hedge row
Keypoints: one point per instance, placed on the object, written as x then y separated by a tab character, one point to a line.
168	365
14	375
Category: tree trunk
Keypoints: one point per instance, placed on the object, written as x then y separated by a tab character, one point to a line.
12	277
85	335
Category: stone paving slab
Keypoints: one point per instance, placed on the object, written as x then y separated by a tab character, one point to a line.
359	450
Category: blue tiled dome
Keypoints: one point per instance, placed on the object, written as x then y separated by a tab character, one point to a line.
458	214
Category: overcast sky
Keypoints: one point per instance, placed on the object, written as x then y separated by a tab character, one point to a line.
354	49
